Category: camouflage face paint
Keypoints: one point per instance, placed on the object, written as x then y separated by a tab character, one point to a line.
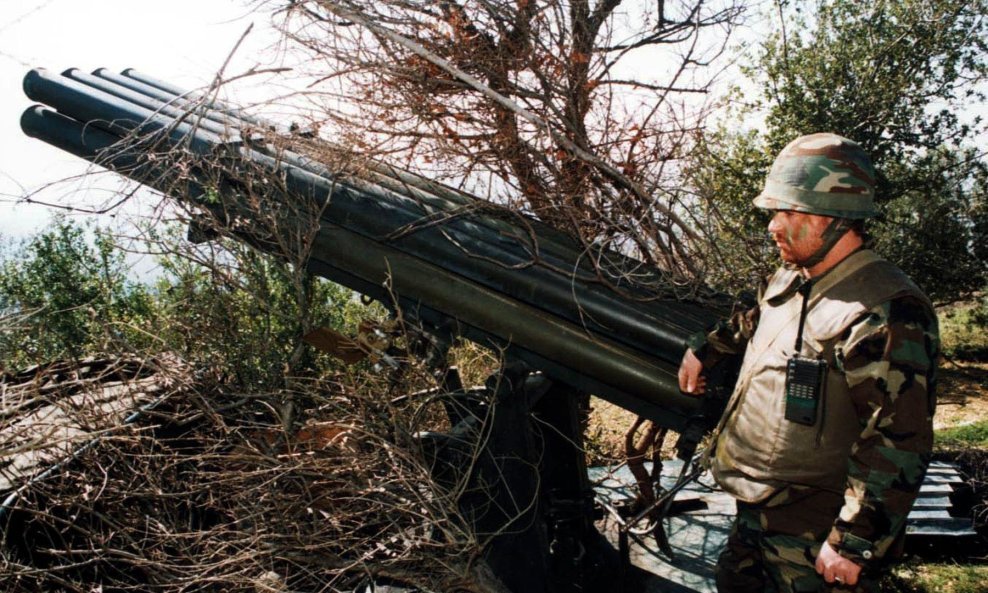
797	232
796	235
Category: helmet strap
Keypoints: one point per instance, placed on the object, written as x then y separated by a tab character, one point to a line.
830	235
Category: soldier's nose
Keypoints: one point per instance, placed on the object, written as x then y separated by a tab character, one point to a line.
775	225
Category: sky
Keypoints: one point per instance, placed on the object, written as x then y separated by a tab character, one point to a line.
181	41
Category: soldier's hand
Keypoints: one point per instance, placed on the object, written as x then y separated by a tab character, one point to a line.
835	568
691	379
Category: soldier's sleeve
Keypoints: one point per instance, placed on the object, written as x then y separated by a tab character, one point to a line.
729	336
889	359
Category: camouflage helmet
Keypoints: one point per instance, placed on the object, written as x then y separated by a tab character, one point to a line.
822	174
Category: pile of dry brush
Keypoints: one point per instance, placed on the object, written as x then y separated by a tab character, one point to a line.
205	490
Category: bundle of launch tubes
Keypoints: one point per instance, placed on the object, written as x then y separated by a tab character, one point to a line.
443	257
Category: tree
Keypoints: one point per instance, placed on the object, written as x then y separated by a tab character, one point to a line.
725	172
545	106
70	290
932	230
893	76
890	74
227	306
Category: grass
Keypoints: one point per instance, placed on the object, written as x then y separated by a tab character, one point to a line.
973	435
937	578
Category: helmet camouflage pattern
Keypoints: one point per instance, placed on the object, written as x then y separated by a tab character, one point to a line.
822	174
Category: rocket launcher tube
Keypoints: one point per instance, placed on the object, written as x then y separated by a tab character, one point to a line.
593	306
375	212
225	123
102	148
237	118
508	319
195	117
550	241
429	192
110	113
602	363
170	88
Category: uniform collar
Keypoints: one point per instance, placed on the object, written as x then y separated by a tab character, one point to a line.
786	283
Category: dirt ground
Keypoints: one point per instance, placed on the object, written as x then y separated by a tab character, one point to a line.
962	394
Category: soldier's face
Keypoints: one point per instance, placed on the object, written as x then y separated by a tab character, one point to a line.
797	235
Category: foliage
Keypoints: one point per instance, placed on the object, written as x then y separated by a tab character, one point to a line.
227	306
931	230
726	171
893	76
888	74
211	492
65	293
962	332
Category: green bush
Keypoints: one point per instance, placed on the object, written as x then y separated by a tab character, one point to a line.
964	436
962	330
65	293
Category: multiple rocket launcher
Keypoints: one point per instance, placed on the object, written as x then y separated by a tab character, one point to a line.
454	263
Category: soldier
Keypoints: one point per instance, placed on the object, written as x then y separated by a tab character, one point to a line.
827	437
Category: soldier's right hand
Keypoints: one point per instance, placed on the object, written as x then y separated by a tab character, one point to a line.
691	379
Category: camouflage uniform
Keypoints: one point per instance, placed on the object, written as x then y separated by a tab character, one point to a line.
888	358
